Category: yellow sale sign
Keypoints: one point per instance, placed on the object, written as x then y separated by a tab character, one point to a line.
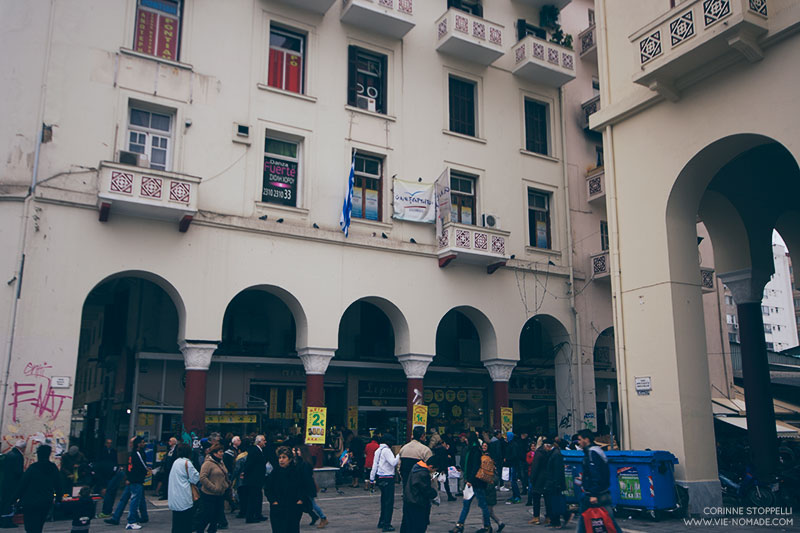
352	418
315	425
420	416
507	418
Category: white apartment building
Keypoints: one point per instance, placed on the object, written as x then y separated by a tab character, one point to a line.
777	306
173	180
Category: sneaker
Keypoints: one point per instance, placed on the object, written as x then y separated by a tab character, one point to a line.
387	528
504	489
534	521
322	523
103	515
133	526
111	521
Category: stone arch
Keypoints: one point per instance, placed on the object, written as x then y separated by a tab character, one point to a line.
487	337
544	333
402	338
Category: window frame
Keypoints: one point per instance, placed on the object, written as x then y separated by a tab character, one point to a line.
458	198
450	102
294	33
547	195
362	175
150	132
139	8
473	7
382	99
299	142
604	241
528	128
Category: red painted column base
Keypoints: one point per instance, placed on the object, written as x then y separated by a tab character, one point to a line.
194	402
315	397
500	400
412	383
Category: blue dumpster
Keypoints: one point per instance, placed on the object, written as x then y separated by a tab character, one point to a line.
573	469
643	479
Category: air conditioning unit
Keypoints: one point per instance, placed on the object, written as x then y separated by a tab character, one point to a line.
133	158
365	102
490	221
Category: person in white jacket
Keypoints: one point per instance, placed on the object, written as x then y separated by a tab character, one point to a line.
383	468
179	491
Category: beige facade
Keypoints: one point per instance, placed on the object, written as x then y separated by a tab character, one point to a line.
696	106
79	221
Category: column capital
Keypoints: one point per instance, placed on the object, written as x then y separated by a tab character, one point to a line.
500	369
746	285
415	365
197	354
315	360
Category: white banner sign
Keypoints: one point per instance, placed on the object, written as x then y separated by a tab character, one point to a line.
414	201
442	187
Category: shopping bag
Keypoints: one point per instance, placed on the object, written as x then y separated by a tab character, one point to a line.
506	474
453	472
597	520
468	492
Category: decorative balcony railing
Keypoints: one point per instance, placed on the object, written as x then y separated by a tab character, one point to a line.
692	36
596	185
147	193
315	6
473	245
543	62
707	279
599	265
588	108
587	43
393	18
469	37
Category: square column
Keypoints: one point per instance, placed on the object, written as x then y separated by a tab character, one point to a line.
315	362
196	359
415	366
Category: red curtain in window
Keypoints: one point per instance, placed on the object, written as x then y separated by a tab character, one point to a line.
276	68
294	72
285	70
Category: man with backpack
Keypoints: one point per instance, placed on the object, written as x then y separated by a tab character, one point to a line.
595	506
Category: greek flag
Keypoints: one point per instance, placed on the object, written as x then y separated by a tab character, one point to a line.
347	205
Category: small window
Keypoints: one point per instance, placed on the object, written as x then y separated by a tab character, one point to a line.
539	219
158	28
765	310
286	64
536	127
603	235
728	300
599	160
367	187
472	7
366	86
525	28
770	346
462	106
591	17
462	198
595	86
733	337
150	133
281	171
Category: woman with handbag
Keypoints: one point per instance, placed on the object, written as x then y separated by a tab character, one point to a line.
214	484
474	485
181	490
486	472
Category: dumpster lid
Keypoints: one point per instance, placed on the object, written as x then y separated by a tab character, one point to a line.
641	456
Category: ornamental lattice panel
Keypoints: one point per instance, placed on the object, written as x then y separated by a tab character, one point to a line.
681	28
462	238
715	10
179	192
481	241
600	264
650	46
151	187
122	182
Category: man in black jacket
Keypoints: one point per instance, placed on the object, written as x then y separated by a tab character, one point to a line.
596	477
137	470
418	494
13	465
40	485
254	472
538	479
555	484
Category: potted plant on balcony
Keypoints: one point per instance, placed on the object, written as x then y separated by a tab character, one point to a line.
548	18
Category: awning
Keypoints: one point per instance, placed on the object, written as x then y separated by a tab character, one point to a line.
785	431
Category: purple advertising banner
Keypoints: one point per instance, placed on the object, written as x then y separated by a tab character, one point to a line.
280	182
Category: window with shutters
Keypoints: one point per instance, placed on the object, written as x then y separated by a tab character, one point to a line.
539	219
462	198
367	187
158	28
366	80
150	133
536	127
603	235
462	95
473	7
286	60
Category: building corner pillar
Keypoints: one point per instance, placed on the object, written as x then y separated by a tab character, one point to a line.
414	366
500	372
196	360
315	362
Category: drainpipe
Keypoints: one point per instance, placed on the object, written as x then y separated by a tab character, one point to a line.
576	323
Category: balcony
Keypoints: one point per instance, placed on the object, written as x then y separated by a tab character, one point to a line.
676	49
542	62
600	266
472	245
147	193
315	6
707	279
596	185
539	4
587	44
469	37
589	107
393	18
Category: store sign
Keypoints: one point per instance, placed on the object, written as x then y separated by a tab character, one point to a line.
315	425
643	385
231	419
352	418
506	419
414	201
420	416
156	34
280	181
381	394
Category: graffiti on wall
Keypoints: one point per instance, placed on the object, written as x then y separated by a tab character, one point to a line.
36	391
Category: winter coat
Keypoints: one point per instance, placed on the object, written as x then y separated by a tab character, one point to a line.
596	474
410	453
440	459
254	467
419	491
529	460
307	473
214	477
13	466
40	484
516	452
137	467
369	452
538	469
472	464
497	449
554	477
286	486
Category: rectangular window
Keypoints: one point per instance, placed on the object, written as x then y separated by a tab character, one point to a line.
770	346
525	28
595	86
462	198
732	337
603	235
366	80
600	160
767	328
150	133
462	106
765	310
728	300
281	171
472	7
536	127
158	28
367	188
591	17
286	52
539	219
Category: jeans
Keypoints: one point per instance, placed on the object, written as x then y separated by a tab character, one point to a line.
134	491
480	495
111	490
386	486
512	477
317	509
212	509
182	521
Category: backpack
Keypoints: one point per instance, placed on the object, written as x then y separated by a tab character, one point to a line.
486	471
